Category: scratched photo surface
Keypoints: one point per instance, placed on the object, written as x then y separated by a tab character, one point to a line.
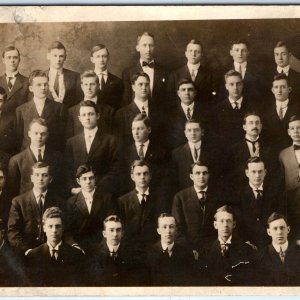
150	150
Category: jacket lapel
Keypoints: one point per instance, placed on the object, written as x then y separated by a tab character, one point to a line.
48	109
18	85
67	81
81	204
95	144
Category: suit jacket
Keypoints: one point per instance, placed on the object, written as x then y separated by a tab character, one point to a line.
67	270
105	121
195	225
176	270
205	84
20	167
17	96
85	228
276	129
55	115
127	269
159	84
290	168
103	157
73	90
8	141
270	271
112	92
24	222
139	226
232	268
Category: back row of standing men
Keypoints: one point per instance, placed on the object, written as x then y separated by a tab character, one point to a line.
171	121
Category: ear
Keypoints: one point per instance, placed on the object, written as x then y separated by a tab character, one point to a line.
247	173
233	225
178	93
268	232
273	90
30	89
149	130
230	52
132	177
158	231
92	59
192	177
98	116
50	179
290	89
48	55
215	225
78	181
244	127
104	233
288	229
137	48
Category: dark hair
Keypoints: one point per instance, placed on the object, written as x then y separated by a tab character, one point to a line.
97	48
139	163
225	208
294	118
281	77
144	118
182	81
251	113
39	165
165	215
112	218
232	73
282	44
195	42
37	73
10	48
276	216
40	121
82	169
88	103
2	225
199	164
254	159
89	74
3	92
194	121
2	169
145	33
136	75
51	213
236	42
56	45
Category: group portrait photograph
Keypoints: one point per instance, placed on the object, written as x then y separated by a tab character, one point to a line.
150	148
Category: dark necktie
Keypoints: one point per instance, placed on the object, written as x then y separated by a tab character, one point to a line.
141	152
296	147
258	203
143	111
236	107
166	254
150	65
253	145
102	82
188	113
224	249
40	155
280	114
54	255
113	255
202	198
143	201
281	255
9	83
40	204
193	75
56	84
196	154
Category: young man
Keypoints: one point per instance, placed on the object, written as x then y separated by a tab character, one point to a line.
25	216
194	208
15	84
278	263
194	70
20	165
227	259
94	147
278	112
170	263
157	75
186	110
55	263
41	107
140	84
138	208
86	211
90	87
111	87
256	199
64	84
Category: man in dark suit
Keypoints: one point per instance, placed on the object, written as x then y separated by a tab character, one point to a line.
55	263
20	165
86	211
158	76
64	84
277	114
41	106
15	84
92	146
90	87
25	216
227	259
255	200
170	263
194	70
111	86
5	200
194	208
138	208
140	83
278	264
113	263
178	115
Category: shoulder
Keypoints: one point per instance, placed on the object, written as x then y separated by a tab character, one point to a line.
127	197
114	77
285	152
184	193
179	150
22	199
37	251
70	73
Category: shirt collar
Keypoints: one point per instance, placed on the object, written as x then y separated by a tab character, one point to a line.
54	71
195	145
284	69
37	193
282	104
249	138
203	190
237	65
167	246
141	193
90	132
146	144
193	67
94	99
239	101
88	195
283	246
35	149
54	248
105	73
141	61
39	101
2	244
185	107
11	74
261	187
113	248
227	242
141	104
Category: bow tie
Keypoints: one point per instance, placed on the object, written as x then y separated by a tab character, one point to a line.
150	64
297	147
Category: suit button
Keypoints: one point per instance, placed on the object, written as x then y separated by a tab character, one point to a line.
257	220
37	238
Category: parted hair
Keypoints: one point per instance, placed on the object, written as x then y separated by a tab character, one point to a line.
281	44
82	169
281	77
165	215
254	159
231	73
139	163
225	208
145	33
112	218
89	74
144	118
37	73
40	121
250	113
51	213
39	165
239	41
97	48
182	81
88	103
10	48
136	75
195	42
199	164
56	45
276	216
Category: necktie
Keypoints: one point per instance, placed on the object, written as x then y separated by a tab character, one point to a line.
224	249
40	204
102	82
143	111
54	254
88	143
296	147
143	201
193	75
280	114
9	83
281	255
195	154
258	203
188	113
56	84
113	255
202	197
40	155
166	254
150	65
236	105
240	70
253	145
141	152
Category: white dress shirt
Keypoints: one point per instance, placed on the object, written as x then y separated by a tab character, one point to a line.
193	68
285	70
283	247
239	102
88	197
198	192
167	247
140	104
140	194
297	154
12	76
38	194
103	74
35	151
283	105
89	136
145	147
223	242
112	248
185	108
250	146
254	189
243	66
150	72
94	99
62	90
54	248
39	105
198	148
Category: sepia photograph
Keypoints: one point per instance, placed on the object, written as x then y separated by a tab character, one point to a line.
149	150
